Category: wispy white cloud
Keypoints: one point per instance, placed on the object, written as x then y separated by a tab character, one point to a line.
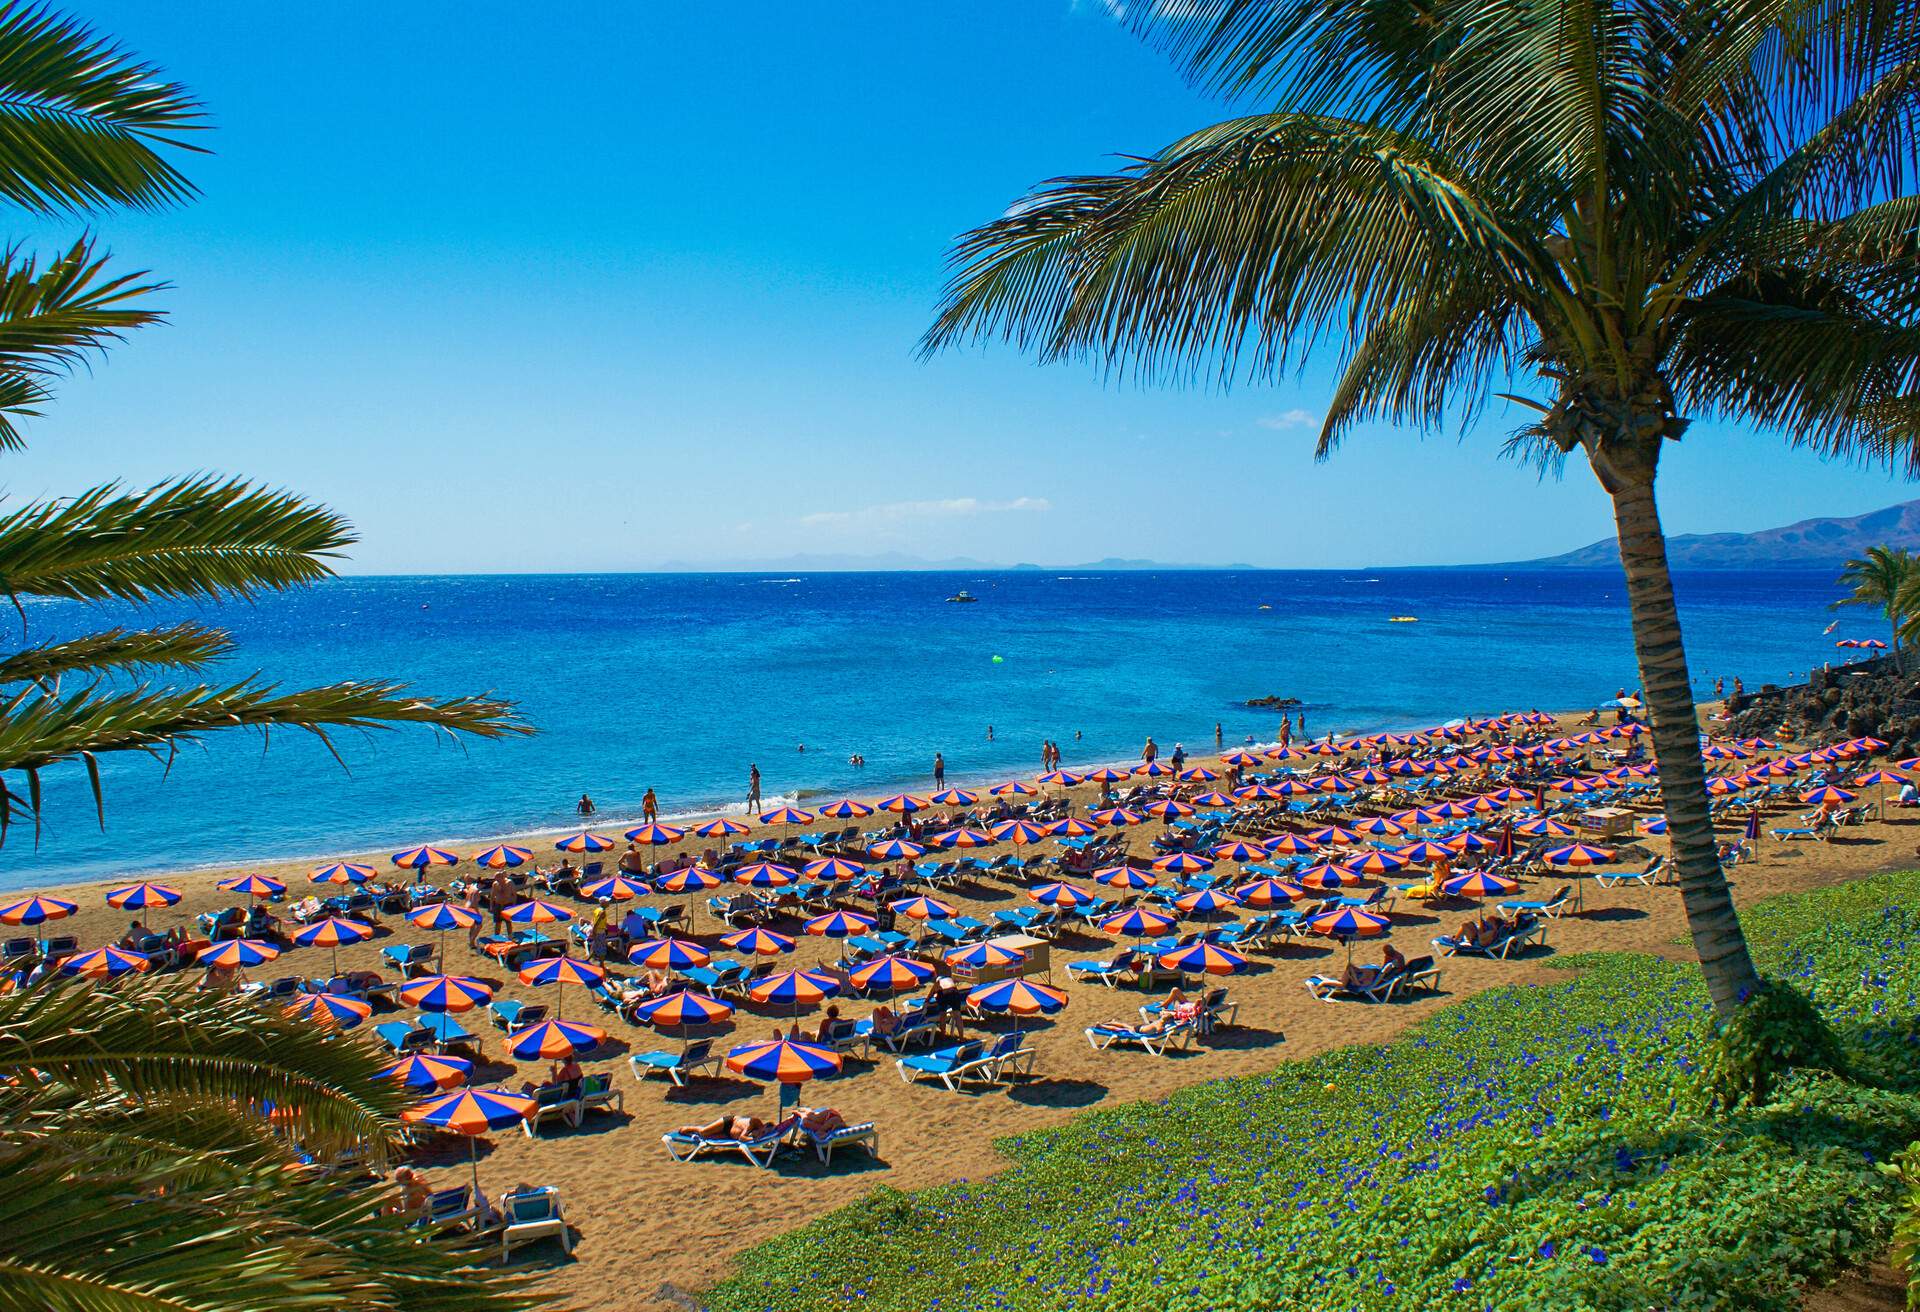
895	512
1294	418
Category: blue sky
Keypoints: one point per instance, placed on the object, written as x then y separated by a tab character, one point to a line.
615	284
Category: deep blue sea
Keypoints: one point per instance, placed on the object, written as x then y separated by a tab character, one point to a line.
679	682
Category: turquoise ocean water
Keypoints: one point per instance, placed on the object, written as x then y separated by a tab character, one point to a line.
679	682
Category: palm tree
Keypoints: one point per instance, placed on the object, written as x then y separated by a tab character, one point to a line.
1639	211
162	1148
84	128
1886	578
153	1139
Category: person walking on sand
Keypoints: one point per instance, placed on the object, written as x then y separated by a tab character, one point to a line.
499	898
584	806
649	807
753	789
939	770
1151	752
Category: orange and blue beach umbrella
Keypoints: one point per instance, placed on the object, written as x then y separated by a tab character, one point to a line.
846	809
1207	901
1546	828
1350	923
1479	883
332	932
582	842
1138	922
955	797
329	1011
446	993
758	942
923	908
1215	801
1239	850
786	815
443	916
1471	843
1060	895
1579	854
562	971
342	872
1378	827
1328	876
250	885
1203	959
833	867
984	956
1061	778
1118	816
1019	832
794	988
1333	835
425	1072
1828	796
689	880
787	1061
766	874
894	849
36	910
1106	774
1072	827
1013	788
1290	845
839	924
1017	997
668	954
1375	863
1184	863
721	828
1152	769
104	963
1124	877
903	803
682	1008
1198	774
555	1038
137	897
502	855
615	888
419	858
655	835
1423	853
535	912
237	952
471	1111
1167	809
891	973
964	838
1269	892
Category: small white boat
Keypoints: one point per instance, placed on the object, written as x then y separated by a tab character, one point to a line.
1403	619
962	596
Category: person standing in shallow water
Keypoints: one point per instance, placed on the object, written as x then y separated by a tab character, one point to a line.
753	788
584	806
939	770
649	807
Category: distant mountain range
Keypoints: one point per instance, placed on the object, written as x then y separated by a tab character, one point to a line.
895	560
1813	543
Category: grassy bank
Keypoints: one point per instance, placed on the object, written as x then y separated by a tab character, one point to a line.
1536	1148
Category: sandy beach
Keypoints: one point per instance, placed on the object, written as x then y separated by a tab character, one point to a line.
651	1230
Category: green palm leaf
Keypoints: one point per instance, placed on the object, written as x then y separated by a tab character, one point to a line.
185	646
82	125
196	537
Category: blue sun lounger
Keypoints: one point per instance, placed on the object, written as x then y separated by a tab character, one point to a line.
760	1151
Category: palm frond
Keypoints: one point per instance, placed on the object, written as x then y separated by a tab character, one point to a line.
52	318
82	124
184	646
1255	236
195	538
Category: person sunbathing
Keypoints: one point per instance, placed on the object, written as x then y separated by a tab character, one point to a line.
413	1193
829	1026
1178	1009
884	1021
821	1120
743	1128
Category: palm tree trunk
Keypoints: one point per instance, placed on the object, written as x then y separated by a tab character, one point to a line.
1668	694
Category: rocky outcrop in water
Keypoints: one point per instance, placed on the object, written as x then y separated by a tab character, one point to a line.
1867	700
